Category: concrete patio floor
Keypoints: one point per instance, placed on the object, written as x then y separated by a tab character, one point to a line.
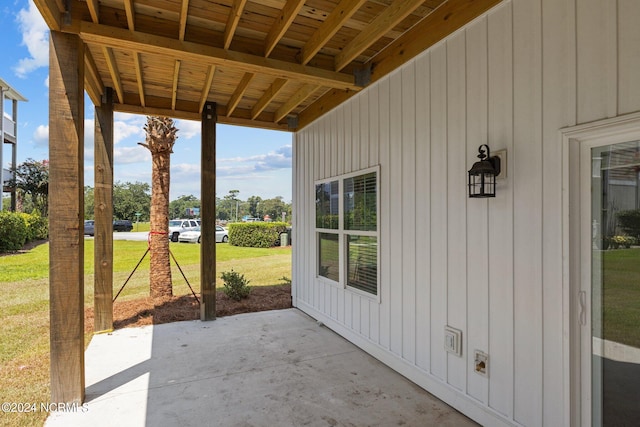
276	368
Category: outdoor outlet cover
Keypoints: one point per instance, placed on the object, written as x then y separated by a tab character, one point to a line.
453	340
481	363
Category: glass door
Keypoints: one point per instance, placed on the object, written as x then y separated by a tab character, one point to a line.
612	324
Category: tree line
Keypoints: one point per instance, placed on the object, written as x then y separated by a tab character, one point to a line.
131	198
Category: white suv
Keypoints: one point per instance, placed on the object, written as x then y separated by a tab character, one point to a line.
177	226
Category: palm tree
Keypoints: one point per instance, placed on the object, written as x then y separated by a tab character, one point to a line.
160	137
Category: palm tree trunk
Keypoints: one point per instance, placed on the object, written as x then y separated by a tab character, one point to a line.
160	268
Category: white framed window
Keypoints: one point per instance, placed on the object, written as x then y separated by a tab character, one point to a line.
347	217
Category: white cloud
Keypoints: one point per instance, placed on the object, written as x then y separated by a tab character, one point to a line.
186	169
187	129
128	155
41	135
125	129
279	159
35	36
46	81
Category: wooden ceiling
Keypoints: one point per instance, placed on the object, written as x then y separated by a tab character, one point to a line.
277	64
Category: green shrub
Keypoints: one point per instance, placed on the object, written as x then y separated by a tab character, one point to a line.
285	280
235	285
630	222
13	231
256	234
37	226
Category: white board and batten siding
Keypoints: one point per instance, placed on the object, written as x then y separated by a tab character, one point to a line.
489	267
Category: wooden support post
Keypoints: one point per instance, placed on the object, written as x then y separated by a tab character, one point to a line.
208	214
66	216
103	211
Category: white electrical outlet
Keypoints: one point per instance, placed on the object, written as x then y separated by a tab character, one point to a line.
453	340
481	363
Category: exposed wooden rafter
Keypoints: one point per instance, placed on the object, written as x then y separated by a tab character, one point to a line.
174	49
94	10
343	11
130	12
139	77
282	23
174	91
232	21
207	87
113	71
175	55
381	25
303	93
442	22
237	94
184	11
50	12
267	97
92	81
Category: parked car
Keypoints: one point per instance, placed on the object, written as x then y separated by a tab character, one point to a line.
89	227
122	225
179	226
194	236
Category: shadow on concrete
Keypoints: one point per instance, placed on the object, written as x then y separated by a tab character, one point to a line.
272	368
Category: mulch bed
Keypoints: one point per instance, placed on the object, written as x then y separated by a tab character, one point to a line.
142	311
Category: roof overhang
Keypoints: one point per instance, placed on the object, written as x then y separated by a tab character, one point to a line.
10	92
262	62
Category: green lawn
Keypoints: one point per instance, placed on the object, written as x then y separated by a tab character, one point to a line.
622	296
24	305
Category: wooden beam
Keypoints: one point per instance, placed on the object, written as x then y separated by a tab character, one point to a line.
175	49
232	21
342	13
137	62
281	25
207	87
103	214
113	70
303	93
242	117
174	91
267	97
442	22
237	94
392	16
91	70
94	10
92	80
66	217
184	11
130	12
50	12
208	212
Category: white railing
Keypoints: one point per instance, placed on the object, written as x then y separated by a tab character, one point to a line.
7	175
9	126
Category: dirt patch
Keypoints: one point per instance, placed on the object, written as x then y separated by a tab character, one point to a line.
142	311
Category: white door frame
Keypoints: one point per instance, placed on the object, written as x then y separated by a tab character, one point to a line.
576	224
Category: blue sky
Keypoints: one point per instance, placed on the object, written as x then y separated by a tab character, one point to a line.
253	161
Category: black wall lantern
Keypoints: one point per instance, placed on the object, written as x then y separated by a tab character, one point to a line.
482	175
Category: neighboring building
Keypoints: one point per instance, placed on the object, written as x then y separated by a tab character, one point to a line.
9	135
